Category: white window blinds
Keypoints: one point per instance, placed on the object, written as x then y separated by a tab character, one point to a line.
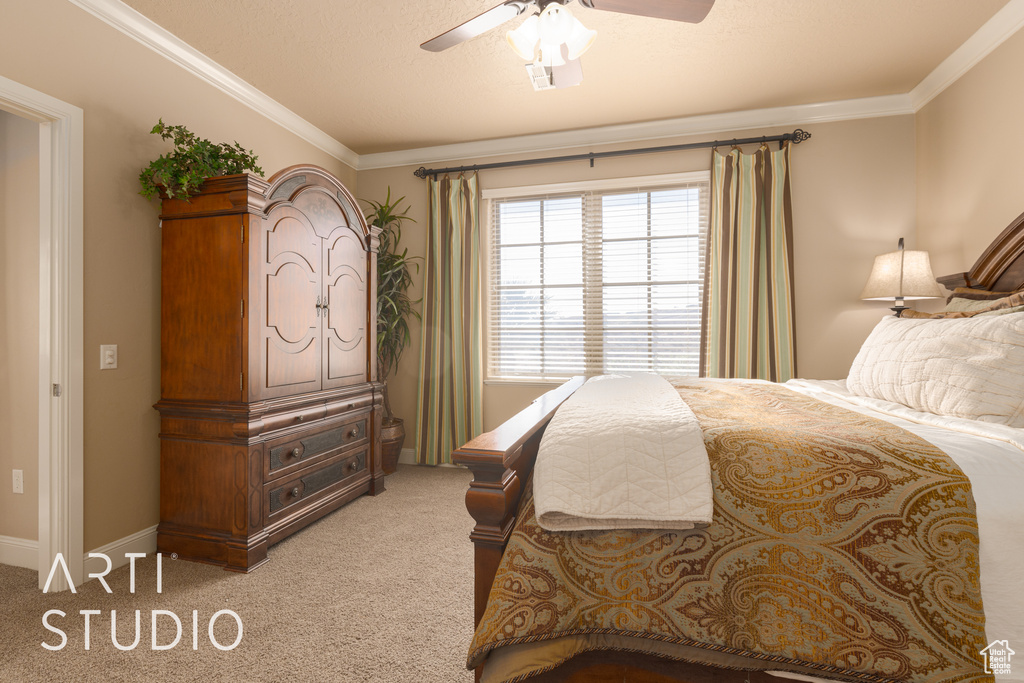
597	281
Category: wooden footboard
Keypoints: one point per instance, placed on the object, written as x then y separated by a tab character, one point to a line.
501	460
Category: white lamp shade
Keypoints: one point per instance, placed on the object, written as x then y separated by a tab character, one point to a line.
580	39
902	274
555	24
524	39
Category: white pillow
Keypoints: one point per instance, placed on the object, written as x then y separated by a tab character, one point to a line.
962	367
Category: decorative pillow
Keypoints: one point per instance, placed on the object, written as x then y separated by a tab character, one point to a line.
976	294
973	308
971	368
959	304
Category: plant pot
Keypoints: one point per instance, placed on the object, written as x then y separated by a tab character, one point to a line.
392	436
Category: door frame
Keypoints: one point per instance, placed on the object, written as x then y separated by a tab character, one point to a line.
61	326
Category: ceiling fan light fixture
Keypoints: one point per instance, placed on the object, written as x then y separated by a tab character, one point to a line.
551	38
524	39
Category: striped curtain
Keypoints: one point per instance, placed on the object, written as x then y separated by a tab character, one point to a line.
748	329
449	407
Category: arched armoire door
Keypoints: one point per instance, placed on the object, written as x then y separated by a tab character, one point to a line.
315	303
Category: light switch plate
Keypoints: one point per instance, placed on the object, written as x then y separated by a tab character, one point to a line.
108	356
19	481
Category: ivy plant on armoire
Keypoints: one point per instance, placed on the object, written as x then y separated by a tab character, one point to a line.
270	407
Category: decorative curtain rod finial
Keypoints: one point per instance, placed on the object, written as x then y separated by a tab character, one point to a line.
799	135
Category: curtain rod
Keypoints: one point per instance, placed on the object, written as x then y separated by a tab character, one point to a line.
796	137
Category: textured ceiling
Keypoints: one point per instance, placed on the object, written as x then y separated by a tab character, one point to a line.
354	68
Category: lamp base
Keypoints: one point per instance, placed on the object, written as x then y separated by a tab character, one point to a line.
899	310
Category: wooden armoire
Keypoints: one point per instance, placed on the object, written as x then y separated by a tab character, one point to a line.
270	408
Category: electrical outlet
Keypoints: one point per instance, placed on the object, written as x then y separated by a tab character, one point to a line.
19	481
108	356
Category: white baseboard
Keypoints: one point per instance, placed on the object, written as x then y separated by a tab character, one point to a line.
19	552
140	542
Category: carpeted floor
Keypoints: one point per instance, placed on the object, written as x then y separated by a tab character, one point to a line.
381	590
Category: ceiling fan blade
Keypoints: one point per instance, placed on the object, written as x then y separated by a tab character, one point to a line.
691	11
496	16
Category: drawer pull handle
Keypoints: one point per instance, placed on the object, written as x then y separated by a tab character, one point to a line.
353	466
351	406
295	452
354	433
295	492
299	418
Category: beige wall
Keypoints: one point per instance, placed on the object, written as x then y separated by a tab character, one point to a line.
970	180
19	324
853	197
123	88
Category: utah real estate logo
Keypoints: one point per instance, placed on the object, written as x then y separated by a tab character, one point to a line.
997	657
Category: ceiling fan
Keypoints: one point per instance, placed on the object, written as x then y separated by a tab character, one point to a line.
553	40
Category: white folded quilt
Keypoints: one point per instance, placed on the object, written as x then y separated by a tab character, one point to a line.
623	452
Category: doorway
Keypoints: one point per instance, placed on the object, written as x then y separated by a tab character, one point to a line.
60	326
19	338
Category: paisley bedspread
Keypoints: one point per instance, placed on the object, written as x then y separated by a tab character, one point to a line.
841	546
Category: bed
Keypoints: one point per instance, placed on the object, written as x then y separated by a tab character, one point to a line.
987	457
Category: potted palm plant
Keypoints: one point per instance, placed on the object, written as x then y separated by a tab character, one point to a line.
394	307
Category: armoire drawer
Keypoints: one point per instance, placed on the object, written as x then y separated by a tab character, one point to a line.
286	454
350	404
293	418
285	495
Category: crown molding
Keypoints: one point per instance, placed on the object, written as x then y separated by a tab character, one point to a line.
136	26
869	107
991	35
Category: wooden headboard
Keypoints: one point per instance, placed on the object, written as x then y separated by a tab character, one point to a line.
1000	268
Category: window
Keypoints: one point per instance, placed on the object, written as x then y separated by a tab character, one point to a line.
594	279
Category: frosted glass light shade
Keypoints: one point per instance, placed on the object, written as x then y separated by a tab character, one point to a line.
524	39
902	275
580	39
555	24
